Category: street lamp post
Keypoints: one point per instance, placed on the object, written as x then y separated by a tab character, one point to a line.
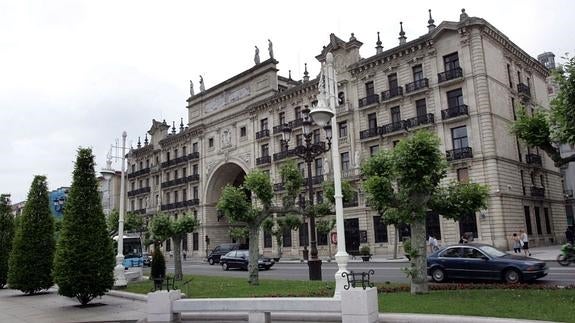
309	152
322	115
108	172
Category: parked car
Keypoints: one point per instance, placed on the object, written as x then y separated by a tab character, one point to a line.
240	259
220	250
482	261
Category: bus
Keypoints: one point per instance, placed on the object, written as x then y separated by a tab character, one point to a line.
132	250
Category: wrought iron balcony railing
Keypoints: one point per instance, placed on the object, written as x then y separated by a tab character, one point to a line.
416	85
368	100
453	112
263	160
450	75
391	93
181	159
181	180
459	153
393	127
284	154
140	172
537	191
265	133
524	89
279	128
420	120
139	191
178	205
533	160
369	133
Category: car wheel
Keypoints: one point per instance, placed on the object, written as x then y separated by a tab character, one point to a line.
211	261
512	276
268	267
438	275
225	266
563	261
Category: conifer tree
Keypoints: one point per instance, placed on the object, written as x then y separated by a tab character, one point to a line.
30	265
6	236
84	263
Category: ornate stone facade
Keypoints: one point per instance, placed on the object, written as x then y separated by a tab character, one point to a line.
462	80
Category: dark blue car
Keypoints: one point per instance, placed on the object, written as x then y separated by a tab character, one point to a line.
482	261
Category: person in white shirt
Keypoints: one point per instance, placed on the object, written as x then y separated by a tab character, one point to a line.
523	237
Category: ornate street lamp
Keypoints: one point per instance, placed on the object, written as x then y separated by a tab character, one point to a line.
309	151
322	116
108	172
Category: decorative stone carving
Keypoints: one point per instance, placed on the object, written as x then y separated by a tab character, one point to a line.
226	138
257	56
211	165
245	158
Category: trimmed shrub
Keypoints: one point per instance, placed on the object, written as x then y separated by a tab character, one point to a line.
6	236
158	264
84	263
30	266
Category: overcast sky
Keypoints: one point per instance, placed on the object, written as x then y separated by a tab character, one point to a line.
77	73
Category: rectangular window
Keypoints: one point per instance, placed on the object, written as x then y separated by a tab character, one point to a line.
373	150
185	242
417	72
175	174
195	147
282	118
265	150
513	108
169	245
319	197
316	136
318	167
395	115
463	175
286	238
421	107
183	150
454	98
148	182
379	229
301	167
372	121
321	239
133	168
141	165
542	179
369	88
184	194
345	161
195	169
157	180
297	112
195	192
538	221
547	220
527	219
509	76
176	153
176	196
299	140
264	124
211	142
392	81
518	76
195	241
303	234
140	184
451	61
468	225
147	163
432	225
267	239
459	137
342	126
243	132
167	156
522	180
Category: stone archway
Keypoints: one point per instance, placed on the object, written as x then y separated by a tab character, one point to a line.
215	227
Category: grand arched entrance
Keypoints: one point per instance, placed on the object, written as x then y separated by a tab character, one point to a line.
215	227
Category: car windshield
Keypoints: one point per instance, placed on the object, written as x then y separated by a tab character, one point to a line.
244	253
492	252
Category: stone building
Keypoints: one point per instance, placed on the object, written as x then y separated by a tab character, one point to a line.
462	80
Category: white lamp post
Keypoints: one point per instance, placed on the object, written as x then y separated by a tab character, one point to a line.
108	172
322	115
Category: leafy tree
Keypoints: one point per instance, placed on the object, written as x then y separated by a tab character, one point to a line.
236	206
84	262
6	236
132	222
163	229
282	224
324	226
404	184
30	266
239	233
547	129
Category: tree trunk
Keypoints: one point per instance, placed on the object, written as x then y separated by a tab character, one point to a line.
395	242
177	240
254	255
419	262
278	246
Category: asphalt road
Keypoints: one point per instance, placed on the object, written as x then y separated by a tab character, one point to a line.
384	272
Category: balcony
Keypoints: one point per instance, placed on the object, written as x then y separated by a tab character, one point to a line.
524	90
350	173
295	123
178	205
139	191
453	112
537	191
279	187
568	194
284	154
420	120
368	100
343	108
416	86
181	159
534	160
139	211
343	140
141	172
279	128
265	133
315	180
448	75
393	127
264	160
392	93
353	203
459	153
181	180
369	133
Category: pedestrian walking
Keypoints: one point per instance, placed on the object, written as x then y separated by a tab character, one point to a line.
525	240
433	244
463	239
185	255
516	243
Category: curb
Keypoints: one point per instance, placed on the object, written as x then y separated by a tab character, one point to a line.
128	295
437	318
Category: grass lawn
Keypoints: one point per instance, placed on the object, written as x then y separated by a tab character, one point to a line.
535	304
